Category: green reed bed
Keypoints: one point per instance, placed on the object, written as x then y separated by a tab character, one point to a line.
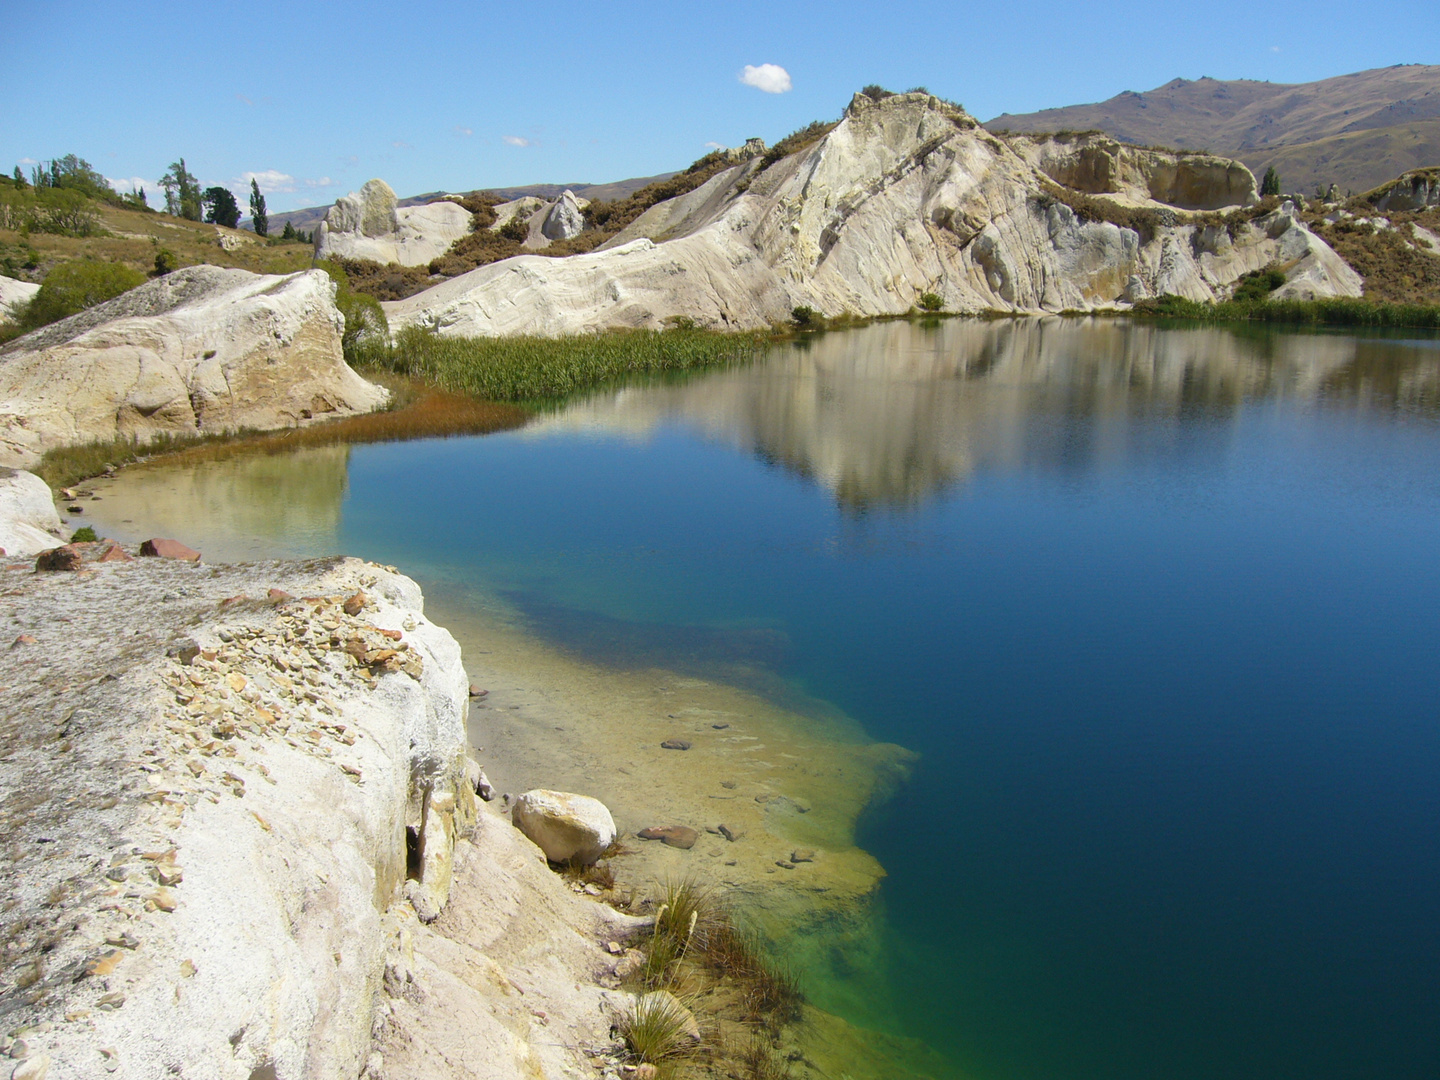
1335	311
533	369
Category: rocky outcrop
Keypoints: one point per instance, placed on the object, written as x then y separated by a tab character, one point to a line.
14	295
200	350
28	521
211	786
368	224
1097	164
565	218
1416	190
903	197
568	828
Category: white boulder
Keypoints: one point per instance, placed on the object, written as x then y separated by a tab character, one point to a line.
566	827
14	295
370	224
566	219
28	521
202	349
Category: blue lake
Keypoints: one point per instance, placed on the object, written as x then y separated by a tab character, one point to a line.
1158	608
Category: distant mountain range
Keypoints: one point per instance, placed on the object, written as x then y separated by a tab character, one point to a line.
1356	131
306	219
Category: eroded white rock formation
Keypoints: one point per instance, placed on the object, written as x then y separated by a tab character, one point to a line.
905	196
565	218
202	349
369	224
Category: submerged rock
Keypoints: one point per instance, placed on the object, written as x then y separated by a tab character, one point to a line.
678	836
566	827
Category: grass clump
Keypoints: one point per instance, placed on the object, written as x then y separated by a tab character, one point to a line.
84	535
658	1027
931	302
532	369
1258	284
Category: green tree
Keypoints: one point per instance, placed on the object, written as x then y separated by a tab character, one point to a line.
1271	184
289	232
77	174
221	207
19	177
182	192
76	285
257	210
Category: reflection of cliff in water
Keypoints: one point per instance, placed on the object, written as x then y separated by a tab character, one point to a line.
284	502
891	413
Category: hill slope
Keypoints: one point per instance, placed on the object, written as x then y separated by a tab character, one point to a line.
1356	131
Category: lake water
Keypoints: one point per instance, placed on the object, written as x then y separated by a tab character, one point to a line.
1157	608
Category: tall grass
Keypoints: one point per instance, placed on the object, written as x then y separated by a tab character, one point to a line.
536	369
1332	311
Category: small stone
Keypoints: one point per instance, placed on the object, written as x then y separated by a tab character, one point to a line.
115	553
32	1068
74	509
591	889
355	604
111	1058
784	864
675	744
728	785
475	691
278	596
187	968
676	836
60	558
111	1002
237	682
19	1050
614	948
719	727
730	834
164	899
161	548
23	639
105	965
802	855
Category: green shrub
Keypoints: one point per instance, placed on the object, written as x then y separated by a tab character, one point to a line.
73	286
931	302
84	535
517	229
796	141
1258	284
806	317
366	337
876	93
165	263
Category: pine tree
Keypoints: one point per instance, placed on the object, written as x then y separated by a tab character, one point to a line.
1271	184
19	177
220	207
257	209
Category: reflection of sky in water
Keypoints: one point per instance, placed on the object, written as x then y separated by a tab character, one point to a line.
1157	608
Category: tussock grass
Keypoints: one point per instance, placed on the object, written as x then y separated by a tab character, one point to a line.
1333	311
655	1027
534	369
762	1060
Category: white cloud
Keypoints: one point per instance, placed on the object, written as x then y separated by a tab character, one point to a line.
28	161
463	130
401	144
324	181
127	184
271	181
1274	48
352	160
715	146
516	140
772	78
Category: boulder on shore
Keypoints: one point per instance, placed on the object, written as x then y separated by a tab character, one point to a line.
568	828
29	523
200	350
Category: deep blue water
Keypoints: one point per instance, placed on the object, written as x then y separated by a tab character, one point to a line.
1159	610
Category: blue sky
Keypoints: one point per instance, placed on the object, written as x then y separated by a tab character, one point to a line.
317	98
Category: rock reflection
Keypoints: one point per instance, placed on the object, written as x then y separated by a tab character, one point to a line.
891	414
245	507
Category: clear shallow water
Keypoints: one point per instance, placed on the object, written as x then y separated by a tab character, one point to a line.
1159	609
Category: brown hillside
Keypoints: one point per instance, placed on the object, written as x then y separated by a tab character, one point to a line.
1355	131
